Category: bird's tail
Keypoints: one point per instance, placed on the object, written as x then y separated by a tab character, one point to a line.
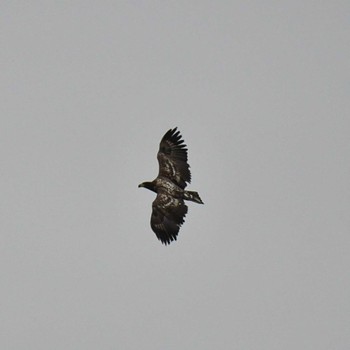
193	196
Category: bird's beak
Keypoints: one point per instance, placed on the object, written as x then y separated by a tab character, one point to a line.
140	185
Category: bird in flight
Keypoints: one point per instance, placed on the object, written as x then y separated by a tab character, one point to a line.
169	208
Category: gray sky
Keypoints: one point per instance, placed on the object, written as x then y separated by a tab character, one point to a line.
260	92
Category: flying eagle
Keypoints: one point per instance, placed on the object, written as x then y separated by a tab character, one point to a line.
169	208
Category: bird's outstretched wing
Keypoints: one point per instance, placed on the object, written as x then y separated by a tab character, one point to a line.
172	158
168	215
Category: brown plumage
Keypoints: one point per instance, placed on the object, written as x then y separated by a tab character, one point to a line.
169	208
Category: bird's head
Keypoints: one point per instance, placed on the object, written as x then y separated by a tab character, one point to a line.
148	185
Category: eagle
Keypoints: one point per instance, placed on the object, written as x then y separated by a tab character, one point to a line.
169	208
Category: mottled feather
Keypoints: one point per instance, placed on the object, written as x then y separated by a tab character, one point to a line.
172	159
168	215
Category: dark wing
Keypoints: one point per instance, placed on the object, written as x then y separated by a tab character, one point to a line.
168	215
172	158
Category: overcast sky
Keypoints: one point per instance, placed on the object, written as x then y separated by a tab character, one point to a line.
260	93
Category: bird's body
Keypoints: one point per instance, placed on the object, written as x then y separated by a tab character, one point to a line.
169	208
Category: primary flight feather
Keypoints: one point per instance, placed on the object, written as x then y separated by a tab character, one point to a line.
169	208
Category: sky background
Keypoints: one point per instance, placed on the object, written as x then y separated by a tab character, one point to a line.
260	93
